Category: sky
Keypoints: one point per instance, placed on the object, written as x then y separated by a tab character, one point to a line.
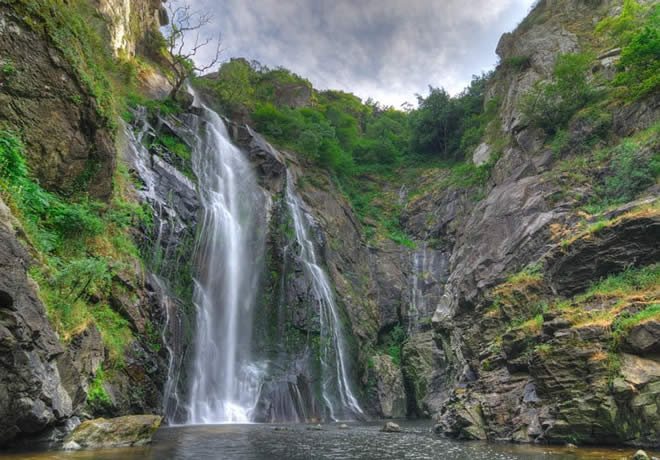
388	50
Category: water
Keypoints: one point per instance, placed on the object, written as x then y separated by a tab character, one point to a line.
296	442
337	393
225	381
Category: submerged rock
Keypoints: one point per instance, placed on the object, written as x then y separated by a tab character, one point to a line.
100	433
391	427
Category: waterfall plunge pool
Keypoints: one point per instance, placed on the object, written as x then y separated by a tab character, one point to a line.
300	442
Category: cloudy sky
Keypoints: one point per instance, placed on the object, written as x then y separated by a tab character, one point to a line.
385	49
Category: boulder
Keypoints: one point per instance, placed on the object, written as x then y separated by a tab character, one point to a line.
640	455
100	433
391	427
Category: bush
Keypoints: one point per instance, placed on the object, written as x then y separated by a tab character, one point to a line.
632	174
550	104
640	59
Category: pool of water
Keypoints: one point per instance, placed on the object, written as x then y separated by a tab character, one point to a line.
294	442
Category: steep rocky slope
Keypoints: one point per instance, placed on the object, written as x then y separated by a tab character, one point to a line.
510	313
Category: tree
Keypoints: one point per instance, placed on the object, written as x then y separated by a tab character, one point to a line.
183	22
434	124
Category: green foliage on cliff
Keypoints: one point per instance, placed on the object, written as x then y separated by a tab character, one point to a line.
97	398
80	246
450	127
551	104
640	58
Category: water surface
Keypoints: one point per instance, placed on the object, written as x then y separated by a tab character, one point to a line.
298	442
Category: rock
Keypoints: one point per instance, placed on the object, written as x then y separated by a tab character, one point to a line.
571	446
62	137
32	394
572	269
391	427
481	155
390	391
343	426
637	116
121	15
418	360
643	338
640	455
131	430
315	428
268	162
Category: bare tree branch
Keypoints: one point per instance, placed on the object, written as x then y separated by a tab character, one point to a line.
183	21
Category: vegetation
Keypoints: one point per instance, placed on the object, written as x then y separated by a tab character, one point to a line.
550	104
97	398
80	244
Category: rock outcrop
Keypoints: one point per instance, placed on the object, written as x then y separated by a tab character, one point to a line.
32	394
128	431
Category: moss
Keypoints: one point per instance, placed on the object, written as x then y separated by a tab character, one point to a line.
97	398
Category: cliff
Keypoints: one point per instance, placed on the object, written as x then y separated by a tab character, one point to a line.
513	296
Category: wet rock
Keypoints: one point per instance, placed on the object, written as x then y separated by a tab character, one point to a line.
343	426
391	427
640	455
267	162
131	430
418	358
390	391
315	428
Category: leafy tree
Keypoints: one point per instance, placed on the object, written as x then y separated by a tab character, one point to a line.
434	123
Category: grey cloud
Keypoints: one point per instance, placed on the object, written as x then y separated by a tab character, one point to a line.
386	49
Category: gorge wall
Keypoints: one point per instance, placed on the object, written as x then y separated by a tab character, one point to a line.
496	319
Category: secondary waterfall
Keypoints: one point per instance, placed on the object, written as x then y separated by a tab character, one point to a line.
224	380
336	391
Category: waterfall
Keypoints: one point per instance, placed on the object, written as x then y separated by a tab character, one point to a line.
225	381
336	391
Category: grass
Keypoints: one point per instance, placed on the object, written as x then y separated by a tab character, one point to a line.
80	246
623	324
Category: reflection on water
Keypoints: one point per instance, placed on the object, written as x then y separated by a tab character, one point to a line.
361	441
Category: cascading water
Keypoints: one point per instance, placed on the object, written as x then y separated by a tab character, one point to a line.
336	391
224	380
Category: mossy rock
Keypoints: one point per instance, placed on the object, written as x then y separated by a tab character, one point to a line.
100	433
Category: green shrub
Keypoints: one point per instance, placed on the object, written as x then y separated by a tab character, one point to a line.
632	173
640	59
550	104
12	164
516	63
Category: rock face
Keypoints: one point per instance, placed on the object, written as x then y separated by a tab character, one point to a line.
100	433
390	392
123	17
67	143
32	394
